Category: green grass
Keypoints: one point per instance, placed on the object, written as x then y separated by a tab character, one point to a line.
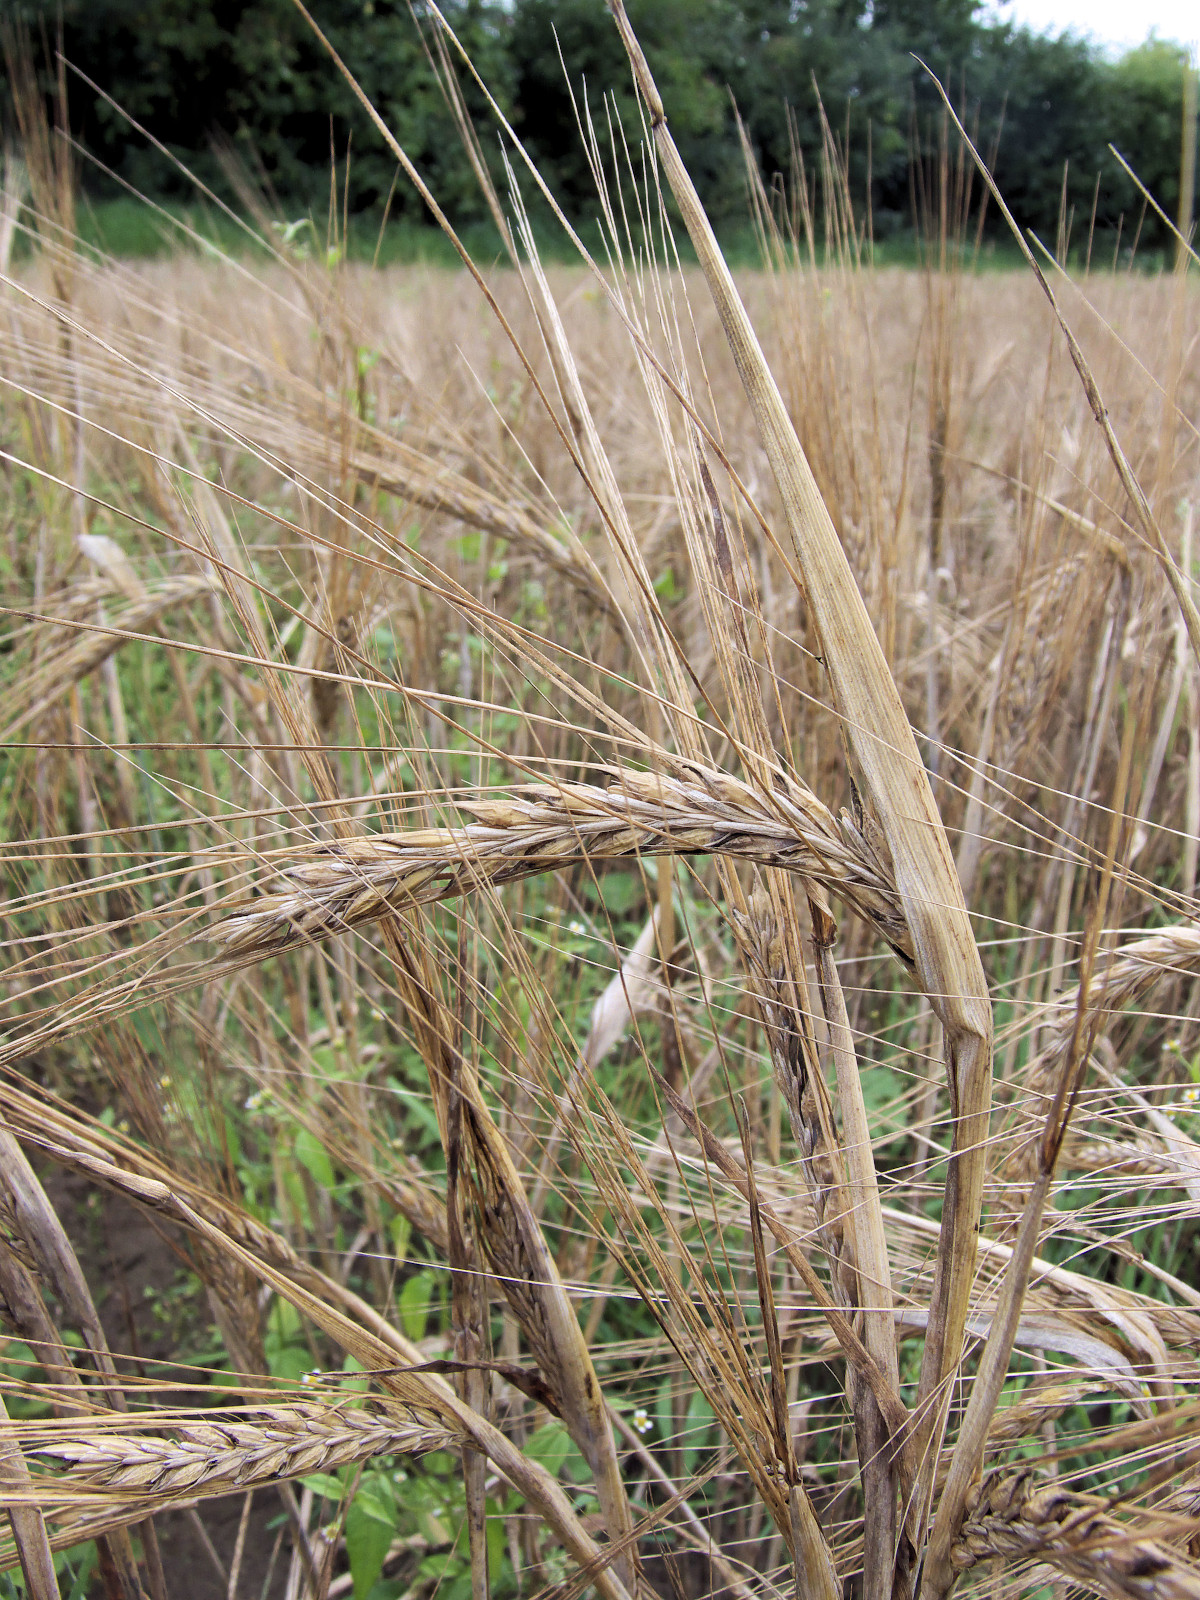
132	229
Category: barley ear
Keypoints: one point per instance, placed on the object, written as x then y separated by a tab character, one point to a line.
374	1344
28	1523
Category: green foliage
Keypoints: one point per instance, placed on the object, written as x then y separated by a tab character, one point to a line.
1146	88
216	80
254	78
418	1503
1064	105
75	1569
369	1523
418	1295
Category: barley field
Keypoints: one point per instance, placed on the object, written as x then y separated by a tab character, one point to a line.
609	943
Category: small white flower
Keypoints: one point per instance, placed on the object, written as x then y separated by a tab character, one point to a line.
1191	1096
640	1421
1173	1047
577	928
312	1376
254	1102
165	1081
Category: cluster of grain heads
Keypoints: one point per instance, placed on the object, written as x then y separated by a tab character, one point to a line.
425	846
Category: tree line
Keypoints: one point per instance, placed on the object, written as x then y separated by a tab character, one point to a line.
246	79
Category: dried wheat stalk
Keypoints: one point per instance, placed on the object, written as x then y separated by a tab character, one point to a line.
778	978
510	1238
898	804
30	1543
338	886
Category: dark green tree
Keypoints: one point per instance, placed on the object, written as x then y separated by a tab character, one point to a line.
248	76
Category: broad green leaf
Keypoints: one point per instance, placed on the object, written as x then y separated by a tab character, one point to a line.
368	1539
416	1296
549	1444
311	1153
